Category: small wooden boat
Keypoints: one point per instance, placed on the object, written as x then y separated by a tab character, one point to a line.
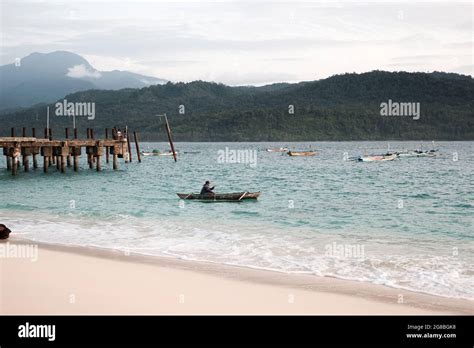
221	197
302	153
277	149
378	158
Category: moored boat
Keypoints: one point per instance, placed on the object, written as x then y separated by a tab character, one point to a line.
302	153
221	197
277	149
419	153
378	158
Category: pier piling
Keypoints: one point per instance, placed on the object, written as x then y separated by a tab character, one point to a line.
135	136
45	163
129	148
35	150
68	158
107	149
9	163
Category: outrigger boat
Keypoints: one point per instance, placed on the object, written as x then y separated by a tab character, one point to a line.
278	149
302	153
221	197
419	153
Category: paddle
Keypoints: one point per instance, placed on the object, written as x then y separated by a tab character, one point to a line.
243	195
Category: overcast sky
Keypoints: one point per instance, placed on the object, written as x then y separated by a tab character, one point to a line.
245	42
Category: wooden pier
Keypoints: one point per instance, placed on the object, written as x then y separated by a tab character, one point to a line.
65	152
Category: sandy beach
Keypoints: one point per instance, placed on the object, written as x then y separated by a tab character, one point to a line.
78	280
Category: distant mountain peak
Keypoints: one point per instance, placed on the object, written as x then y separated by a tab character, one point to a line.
58	59
45	77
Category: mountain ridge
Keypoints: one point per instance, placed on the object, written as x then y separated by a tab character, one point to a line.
341	107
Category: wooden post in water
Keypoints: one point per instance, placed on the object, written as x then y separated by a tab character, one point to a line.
68	155
9	162
76	153
14	166
168	131
98	154
45	163
135	136
129	147
63	164
63	153
107	148
46	152
92	156
76	163
6	152
25	152
89	156
58	158
115	149
115	158
35	150
52	159
43	153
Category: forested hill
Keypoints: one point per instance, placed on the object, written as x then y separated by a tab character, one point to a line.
342	107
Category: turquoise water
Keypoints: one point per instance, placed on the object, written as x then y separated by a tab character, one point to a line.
412	218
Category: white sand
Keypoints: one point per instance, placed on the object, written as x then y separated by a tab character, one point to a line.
83	281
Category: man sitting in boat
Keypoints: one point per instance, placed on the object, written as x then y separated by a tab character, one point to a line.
207	189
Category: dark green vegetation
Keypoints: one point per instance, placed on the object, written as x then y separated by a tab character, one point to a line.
342	107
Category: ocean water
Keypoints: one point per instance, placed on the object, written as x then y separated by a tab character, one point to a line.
408	223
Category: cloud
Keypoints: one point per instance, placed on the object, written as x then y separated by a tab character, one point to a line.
243	42
80	71
465	69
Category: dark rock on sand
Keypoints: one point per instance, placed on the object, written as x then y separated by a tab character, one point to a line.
4	231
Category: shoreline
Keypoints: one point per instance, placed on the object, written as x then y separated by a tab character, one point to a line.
242	290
